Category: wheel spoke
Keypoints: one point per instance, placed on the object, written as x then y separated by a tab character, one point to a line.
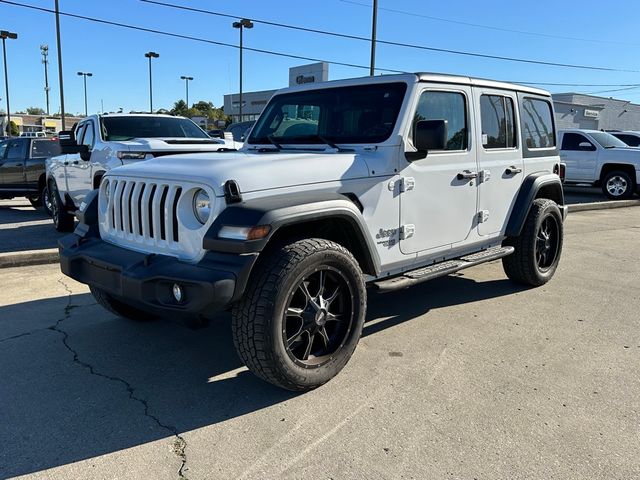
304	286
333	296
294	312
307	350
333	318
325	337
321	282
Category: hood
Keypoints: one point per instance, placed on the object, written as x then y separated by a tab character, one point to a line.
173	144
252	171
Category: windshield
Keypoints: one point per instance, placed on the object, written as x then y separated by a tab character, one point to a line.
606	140
125	128
359	114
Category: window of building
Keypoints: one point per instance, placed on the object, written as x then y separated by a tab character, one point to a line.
537	124
448	106
498	122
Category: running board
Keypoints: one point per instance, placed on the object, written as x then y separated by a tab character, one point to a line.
441	269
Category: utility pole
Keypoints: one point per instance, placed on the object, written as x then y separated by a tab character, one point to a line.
12	36
242	24
151	55
374	27
60	65
44	49
186	81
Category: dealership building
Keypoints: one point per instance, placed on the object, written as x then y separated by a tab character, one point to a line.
576	110
254	102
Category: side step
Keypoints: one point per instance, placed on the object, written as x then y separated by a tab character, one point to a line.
441	269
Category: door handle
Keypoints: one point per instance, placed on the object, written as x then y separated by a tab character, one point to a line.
513	170
467	175
66	163
76	162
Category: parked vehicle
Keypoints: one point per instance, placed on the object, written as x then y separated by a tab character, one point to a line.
600	159
390	180
238	132
33	134
102	142
632	139
22	168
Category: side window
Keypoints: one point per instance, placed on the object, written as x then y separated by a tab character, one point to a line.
537	124
3	149
498	122
88	135
572	141
79	133
630	140
16	149
448	106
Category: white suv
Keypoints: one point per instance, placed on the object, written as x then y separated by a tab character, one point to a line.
101	142
390	181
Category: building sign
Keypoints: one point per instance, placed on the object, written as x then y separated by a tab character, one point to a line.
591	113
313	73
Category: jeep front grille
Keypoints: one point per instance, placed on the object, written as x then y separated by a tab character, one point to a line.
145	211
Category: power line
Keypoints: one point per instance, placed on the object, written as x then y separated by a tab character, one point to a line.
490	27
196	39
395	43
610	91
577	84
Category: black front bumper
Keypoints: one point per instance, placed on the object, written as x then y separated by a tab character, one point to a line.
146	281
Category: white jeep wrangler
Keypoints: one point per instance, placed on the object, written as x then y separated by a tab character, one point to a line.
387	181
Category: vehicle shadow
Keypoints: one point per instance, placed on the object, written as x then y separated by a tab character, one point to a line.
91	384
19	238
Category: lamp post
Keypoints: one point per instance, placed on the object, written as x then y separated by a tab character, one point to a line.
4	35
85	75
44	49
374	28
151	55
241	25
186	84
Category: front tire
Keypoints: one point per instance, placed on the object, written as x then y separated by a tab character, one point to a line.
62	220
538	247
118	308
36	202
302	314
618	185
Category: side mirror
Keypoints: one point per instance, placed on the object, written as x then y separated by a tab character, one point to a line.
428	135
84	152
586	146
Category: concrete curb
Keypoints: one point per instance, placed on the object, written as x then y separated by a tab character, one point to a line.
29	257
585	207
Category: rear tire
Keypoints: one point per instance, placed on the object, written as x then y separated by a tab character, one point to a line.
538	247
46	200
62	220
618	185
118	308
302	313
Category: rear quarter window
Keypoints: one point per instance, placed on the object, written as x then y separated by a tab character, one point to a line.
538	130
45	148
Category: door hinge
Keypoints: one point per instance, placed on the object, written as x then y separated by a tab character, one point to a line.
404	184
484	176
407	231
483	216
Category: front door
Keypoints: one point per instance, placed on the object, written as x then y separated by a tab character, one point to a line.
580	156
500	159
79	178
440	209
12	165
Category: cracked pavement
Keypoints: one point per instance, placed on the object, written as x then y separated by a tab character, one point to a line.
464	377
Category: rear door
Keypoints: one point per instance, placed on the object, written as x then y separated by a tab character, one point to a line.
500	162
39	151
580	156
12	166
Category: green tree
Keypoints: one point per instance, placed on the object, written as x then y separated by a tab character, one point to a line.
35	111
12	129
179	108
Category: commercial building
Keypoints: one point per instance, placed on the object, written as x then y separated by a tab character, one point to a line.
254	102
577	110
38	123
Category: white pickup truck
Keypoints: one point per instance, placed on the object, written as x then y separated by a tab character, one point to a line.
100	143
600	159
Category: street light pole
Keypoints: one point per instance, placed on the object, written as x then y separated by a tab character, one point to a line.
85	75
60	65
44	49
374	28
4	35
242	24
151	55
186	81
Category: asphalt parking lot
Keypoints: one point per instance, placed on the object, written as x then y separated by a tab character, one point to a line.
465	377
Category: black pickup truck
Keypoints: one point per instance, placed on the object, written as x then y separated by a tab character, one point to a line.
22	167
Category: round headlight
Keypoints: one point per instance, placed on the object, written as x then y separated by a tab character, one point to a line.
202	206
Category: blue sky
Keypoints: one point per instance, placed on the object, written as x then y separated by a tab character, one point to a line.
609	37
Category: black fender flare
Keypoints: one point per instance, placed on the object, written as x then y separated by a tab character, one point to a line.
287	210
529	189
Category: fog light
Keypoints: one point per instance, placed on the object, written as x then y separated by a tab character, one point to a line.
177	292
